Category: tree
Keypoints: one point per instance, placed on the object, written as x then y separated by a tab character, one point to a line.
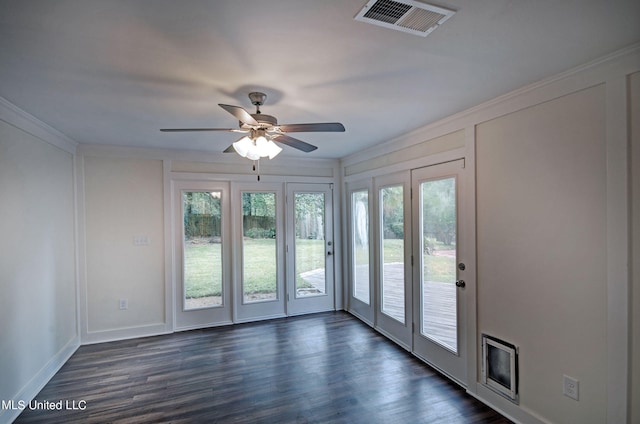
309	210
439	210
392	212
258	204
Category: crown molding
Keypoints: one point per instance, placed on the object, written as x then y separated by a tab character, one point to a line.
620	62
13	115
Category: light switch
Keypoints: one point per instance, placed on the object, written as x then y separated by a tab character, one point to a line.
141	240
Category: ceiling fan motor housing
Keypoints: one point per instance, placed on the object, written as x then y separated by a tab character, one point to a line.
265	121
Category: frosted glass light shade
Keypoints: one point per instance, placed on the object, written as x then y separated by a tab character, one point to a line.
273	149
243	146
261	147
255	149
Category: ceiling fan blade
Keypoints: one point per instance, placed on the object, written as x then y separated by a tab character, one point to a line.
241	114
293	142
319	127
201	129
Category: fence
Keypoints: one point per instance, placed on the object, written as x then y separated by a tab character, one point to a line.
206	225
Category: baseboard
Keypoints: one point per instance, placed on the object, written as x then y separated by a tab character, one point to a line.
94	337
260	318
37	383
202	327
515	413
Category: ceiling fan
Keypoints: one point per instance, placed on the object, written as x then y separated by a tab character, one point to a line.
263	130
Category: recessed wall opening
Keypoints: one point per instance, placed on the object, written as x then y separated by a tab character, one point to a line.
500	367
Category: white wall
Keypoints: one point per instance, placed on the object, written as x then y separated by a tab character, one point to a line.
123	200
552	236
541	249
38	308
124	193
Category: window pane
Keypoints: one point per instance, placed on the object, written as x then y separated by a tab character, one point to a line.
259	267
392	228
309	245
360	240
439	294
202	266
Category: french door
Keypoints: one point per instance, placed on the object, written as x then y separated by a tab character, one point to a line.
259	291
201	223
309	248
232	245
393	251
361	252
439	334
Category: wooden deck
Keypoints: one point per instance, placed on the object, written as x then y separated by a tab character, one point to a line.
440	308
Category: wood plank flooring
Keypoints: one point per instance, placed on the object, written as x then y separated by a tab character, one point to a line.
321	368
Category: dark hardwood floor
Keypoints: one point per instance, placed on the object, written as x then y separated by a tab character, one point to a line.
322	368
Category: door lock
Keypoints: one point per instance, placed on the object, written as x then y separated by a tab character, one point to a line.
460	283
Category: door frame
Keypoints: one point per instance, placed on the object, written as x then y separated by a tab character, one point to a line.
454	365
208	316
311	304
399	332
256	311
364	311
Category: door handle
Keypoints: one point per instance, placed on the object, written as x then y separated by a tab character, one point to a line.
460	283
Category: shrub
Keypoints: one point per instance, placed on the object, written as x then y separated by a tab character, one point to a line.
429	244
260	233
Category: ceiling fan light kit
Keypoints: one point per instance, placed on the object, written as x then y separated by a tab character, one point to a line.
256	146
264	131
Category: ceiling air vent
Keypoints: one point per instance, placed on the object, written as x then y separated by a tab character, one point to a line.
409	16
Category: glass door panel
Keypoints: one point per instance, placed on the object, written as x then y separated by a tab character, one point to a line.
309	245
310	284
259	248
392	252
361	297
202	254
439	304
438	278
393	257
360	244
258	228
202	242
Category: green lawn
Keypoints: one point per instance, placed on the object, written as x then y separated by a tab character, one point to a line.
310	255
259	266
203	271
440	268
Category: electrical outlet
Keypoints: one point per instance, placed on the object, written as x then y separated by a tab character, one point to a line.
570	387
123	304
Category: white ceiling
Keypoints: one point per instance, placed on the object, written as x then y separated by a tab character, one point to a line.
114	72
